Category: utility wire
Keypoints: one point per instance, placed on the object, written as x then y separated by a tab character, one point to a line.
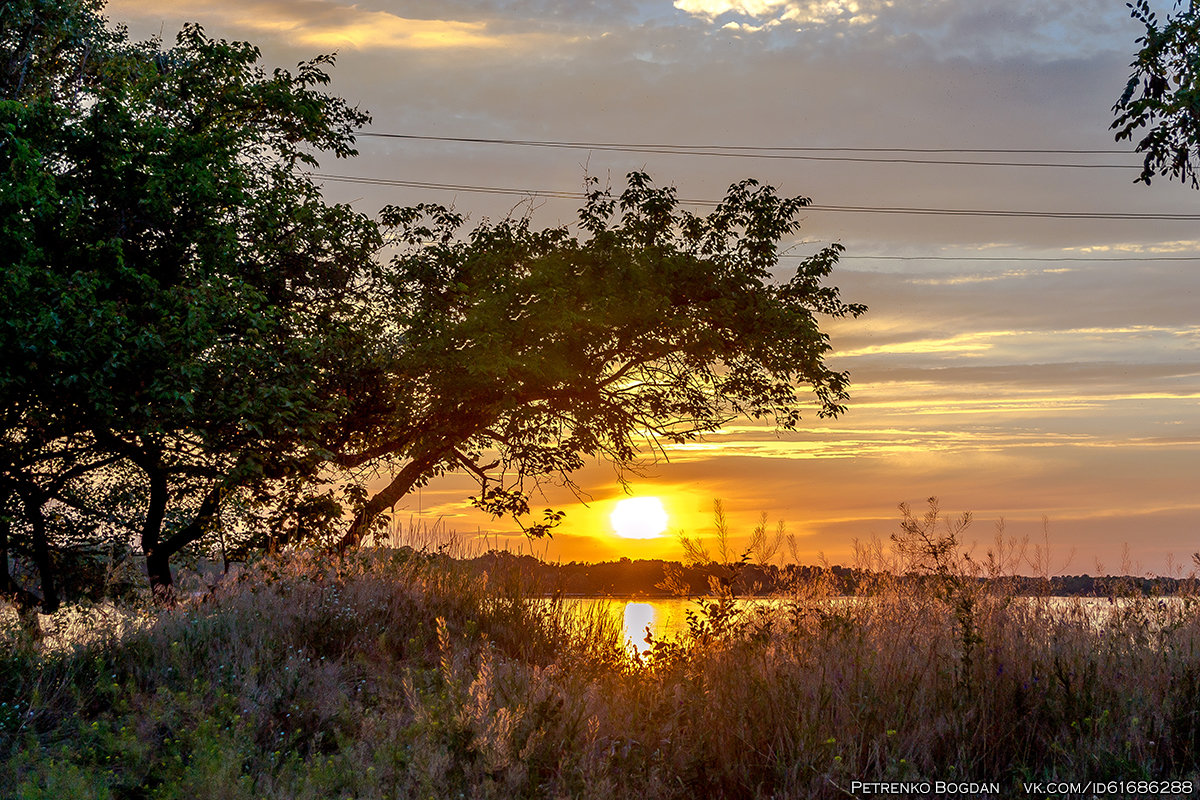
980	212
1083	259
788	153
956	212
739	147
551	193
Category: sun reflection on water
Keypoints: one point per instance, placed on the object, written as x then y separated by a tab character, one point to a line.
639	617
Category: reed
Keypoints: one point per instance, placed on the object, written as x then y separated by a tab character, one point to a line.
400	673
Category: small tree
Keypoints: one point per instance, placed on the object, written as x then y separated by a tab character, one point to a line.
931	545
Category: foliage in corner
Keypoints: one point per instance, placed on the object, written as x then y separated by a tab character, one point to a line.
1161	101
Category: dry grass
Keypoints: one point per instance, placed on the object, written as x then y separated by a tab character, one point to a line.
404	675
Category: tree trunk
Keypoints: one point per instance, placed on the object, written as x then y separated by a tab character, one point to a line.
158	557
158	567
42	559
389	496
205	517
25	601
158	572
148	458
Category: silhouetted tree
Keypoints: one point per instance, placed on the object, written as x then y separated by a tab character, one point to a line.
526	350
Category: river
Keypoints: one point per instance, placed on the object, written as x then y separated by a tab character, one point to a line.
665	617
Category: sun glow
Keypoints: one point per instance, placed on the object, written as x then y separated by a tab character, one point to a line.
639	518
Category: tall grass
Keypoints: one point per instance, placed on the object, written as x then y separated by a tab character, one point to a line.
401	674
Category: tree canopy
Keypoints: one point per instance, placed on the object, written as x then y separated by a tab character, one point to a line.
1161	101
198	347
533	349
174	285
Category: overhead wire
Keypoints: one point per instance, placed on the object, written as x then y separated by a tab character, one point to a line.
1006	259
920	211
549	142
799	153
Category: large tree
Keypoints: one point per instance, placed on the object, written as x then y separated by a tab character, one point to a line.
532	349
1161	101
173	287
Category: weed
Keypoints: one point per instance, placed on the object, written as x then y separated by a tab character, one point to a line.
401	673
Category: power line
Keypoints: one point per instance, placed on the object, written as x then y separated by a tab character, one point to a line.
787	153
550	193
740	147
981	212
956	212
1022	259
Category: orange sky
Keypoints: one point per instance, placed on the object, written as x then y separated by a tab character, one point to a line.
1062	384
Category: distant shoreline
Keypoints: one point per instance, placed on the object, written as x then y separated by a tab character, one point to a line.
645	578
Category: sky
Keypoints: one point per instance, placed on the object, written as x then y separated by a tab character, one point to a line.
1009	365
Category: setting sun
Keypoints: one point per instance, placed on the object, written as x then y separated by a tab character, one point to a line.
639	518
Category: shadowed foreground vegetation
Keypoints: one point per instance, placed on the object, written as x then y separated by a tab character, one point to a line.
397	674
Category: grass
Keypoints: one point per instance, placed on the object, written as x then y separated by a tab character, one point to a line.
396	674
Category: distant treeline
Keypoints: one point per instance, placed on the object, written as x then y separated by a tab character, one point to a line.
661	578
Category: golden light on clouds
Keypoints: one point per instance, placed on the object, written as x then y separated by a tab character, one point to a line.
962	344
977	342
329	25
989	277
1187	246
380	29
715	8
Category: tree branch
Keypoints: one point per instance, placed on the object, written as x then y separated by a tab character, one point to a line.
389	496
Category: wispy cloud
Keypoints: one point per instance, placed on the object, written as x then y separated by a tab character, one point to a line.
326	25
774	12
988	277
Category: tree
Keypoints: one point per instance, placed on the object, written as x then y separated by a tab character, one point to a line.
194	344
1163	95
175	285
44	53
533	349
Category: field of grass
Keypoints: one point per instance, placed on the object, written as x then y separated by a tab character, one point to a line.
396	674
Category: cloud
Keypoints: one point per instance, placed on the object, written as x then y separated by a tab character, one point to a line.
1101	342
987	277
326	25
951	28
820	12
711	9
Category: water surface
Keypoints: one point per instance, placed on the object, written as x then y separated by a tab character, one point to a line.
666	617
